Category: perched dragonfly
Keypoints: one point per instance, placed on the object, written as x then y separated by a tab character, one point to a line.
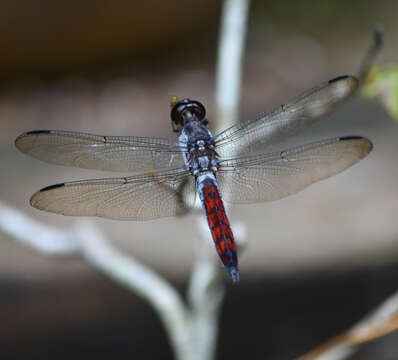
174	171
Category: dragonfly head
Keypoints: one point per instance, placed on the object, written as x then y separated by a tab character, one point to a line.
186	110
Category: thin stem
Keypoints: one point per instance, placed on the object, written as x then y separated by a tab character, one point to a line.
139	279
229	65
371	54
381	321
206	290
205	295
86	240
47	240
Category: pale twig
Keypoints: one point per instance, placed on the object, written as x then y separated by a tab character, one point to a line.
207	288
229	64
381	321
205	294
191	329
371	54
48	240
139	279
86	240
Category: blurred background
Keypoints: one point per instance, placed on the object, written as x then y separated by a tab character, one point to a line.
316	261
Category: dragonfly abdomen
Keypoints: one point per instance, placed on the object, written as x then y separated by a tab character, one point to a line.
218	223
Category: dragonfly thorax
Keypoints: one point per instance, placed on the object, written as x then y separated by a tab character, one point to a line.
199	155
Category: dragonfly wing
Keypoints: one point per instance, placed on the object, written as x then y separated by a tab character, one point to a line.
113	153
271	127
141	197
267	177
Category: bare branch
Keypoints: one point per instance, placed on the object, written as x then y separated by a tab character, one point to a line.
137	277
46	239
229	64
85	239
205	295
381	321
371	54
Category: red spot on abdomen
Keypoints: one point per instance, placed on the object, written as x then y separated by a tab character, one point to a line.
219	227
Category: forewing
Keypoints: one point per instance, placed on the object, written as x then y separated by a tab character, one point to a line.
140	197
269	128
272	176
113	153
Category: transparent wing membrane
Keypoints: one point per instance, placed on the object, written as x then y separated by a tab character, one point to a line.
242	176
269	128
140	197
113	153
272	176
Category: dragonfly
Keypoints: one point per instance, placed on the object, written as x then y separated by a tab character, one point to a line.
169	175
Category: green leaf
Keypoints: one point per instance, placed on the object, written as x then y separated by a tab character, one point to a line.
382	84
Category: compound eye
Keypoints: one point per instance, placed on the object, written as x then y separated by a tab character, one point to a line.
198	109
181	108
177	112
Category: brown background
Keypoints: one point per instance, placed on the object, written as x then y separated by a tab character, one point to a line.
316	261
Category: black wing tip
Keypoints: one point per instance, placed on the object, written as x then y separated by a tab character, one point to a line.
36	132
51	187
351	137
369	145
338	78
343	77
350	82
33	132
